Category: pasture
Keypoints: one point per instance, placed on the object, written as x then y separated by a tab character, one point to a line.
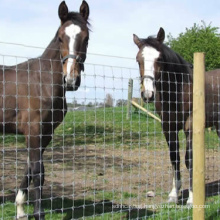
102	166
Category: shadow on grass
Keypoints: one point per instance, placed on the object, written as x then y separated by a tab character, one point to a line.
105	209
76	209
211	189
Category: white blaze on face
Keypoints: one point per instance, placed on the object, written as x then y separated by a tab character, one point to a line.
71	31
150	55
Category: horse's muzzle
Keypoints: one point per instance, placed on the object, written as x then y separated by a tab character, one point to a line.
147	96
71	88
73	85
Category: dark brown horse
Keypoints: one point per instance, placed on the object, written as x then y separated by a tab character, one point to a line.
33	96
167	80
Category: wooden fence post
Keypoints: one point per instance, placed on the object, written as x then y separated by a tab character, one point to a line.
198	136
130	91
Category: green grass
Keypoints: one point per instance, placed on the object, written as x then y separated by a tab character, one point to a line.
171	211
8	211
107	210
213	212
107	126
99	126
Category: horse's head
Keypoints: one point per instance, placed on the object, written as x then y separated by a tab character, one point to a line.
147	58
73	37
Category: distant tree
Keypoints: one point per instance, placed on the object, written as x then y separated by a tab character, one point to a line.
121	102
109	100
90	104
199	38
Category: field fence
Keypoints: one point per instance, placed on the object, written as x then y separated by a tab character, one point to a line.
99	164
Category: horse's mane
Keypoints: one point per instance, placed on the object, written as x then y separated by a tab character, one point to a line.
171	61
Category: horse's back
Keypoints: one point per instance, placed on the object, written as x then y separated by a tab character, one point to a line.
212	96
212	75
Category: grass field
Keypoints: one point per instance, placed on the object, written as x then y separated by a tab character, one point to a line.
100	165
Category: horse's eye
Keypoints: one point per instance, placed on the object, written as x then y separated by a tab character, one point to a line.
86	41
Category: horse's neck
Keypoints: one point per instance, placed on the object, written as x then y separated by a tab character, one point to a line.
51	57
52	64
52	52
174	96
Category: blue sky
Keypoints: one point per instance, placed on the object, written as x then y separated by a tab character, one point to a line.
113	23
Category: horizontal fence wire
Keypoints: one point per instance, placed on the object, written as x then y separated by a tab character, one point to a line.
98	164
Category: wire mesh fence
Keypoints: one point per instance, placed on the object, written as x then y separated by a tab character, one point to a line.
98	164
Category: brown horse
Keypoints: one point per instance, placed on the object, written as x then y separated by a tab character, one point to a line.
167	80
33	99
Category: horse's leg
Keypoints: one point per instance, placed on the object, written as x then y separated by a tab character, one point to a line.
22	192
217	127
37	170
189	164
173	143
34	171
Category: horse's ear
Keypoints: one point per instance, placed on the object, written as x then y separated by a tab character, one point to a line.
161	35
84	10
63	12
137	40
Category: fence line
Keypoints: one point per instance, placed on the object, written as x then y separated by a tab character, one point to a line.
92	54
99	164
